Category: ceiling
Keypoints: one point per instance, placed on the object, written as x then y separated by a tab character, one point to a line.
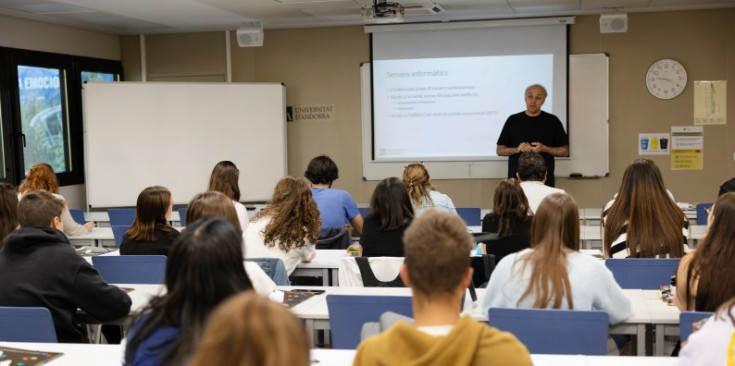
176	16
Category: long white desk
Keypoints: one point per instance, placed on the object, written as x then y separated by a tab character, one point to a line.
75	354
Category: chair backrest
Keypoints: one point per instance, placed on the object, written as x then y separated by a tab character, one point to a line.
643	273
702	213
384	268
77	215
364	211
483	268
347	314
274	268
135	269
554	331
687	320
118	231
470	215
121	216
334	238
26	324
182	216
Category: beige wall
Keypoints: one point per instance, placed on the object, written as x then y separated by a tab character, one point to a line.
321	66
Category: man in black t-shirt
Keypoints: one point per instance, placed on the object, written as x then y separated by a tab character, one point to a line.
533	130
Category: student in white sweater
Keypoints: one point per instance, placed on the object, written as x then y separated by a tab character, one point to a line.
553	273
714	343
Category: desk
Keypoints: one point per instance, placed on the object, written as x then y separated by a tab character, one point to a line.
96	237
102	217
76	354
664	317
325	265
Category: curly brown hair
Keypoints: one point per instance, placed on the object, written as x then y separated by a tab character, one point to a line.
41	177
294	215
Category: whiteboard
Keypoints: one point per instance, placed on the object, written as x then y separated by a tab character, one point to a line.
588	131
172	134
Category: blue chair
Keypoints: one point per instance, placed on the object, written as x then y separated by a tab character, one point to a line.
642	273
274	268
347	314
77	215
26	324
470	215
702	213
553	331
182	216
118	231
136	269
687	319
121	216
364	211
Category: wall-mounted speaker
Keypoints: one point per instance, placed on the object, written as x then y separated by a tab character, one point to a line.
250	34
613	23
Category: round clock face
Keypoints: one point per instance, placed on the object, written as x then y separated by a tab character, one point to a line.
666	79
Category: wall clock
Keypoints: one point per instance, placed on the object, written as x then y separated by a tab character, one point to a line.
666	78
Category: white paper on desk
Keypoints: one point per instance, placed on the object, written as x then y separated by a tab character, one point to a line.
277	296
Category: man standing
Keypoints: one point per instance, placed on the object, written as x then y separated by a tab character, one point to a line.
533	130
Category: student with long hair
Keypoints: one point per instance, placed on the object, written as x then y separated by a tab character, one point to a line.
204	269
509	219
643	220
423	193
382	232
712	344
706	277
215	205
41	177
8	210
150	233
224	178
288	228
252	330
553	273
336	207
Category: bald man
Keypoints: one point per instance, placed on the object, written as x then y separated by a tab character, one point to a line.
533	130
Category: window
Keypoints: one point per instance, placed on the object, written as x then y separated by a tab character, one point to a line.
41	109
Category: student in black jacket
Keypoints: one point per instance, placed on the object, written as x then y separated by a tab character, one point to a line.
382	231
150	233
38	267
509	219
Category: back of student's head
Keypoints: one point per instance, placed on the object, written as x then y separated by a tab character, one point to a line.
225	177
150	213
212	205
294	215
437	247
510	206
713	260
322	170
531	167
38	208
417	181
252	330
653	220
390	204
554	232
41	177
204	268
8	210
728	186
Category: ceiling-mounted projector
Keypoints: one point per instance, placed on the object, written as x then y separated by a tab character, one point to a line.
383	12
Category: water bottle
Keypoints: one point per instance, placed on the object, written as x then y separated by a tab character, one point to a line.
355	250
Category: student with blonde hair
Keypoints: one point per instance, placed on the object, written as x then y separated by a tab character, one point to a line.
553	274
252	330
225	178
288	228
41	177
424	195
150	233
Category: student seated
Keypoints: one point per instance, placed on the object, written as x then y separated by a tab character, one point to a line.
41	177
553	274
643	220
203	270
38	267
225	178
151	233
252	330
288	228
437	268
712	344
8	210
336	206
532	176
509	219
706	277
424	195
382	233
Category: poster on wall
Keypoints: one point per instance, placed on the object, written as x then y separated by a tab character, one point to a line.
653	144
710	102
687	146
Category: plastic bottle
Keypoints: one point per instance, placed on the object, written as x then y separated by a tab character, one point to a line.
355	250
